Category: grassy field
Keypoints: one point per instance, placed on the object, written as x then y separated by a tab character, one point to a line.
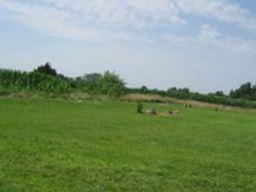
63	146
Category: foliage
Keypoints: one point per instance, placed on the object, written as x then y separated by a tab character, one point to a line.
89	82
185	94
219	93
144	89
46	69
44	79
107	83
16	80
178	93
139	107
111	84
245	91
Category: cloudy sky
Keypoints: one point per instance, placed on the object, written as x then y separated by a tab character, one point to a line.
206	45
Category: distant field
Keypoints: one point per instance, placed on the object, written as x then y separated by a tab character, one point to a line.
63	146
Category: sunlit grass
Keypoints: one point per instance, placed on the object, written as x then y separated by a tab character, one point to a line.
50	145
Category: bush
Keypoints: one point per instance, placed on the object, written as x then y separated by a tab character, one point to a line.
139	108
46	69
112	85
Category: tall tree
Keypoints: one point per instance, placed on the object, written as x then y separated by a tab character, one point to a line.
47	69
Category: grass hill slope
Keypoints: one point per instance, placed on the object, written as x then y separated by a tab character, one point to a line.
50	145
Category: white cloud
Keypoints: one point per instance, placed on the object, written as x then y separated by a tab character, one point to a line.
222	10
210	40
113	19
208	33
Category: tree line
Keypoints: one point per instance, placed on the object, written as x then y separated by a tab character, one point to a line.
244	96
46	79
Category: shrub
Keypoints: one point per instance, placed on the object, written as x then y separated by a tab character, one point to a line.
139	108
112	85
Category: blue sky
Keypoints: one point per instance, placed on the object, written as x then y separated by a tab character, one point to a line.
206	45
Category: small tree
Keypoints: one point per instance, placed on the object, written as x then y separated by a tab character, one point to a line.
143	89
92	78
47	69
112	85
139	108
219	93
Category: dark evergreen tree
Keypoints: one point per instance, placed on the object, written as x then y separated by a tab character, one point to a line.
46	69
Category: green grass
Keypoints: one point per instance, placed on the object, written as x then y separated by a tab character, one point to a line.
59	146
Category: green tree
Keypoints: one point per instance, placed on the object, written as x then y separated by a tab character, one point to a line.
46	69
144	89
245	91
219	93
139	108
111	84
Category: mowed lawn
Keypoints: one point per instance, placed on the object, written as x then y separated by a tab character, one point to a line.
63	146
